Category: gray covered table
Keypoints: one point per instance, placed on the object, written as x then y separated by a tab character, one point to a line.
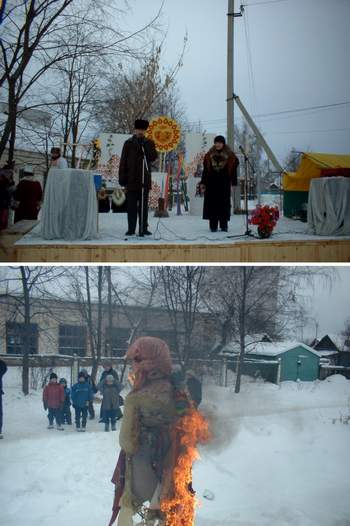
69	210
329	206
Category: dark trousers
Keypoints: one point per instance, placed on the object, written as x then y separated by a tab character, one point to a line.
91	410
66	415
213	224
110	415
54	414
134	210
0	413
81	412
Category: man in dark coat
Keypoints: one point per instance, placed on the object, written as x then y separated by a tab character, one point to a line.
29	195
137	155
219	175
3	369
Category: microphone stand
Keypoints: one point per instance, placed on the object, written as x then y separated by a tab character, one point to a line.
144	166
247	163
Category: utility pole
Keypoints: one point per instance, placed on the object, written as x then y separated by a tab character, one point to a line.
230	102
231	15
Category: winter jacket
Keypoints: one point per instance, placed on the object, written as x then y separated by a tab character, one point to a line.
131	163
110	396
66	397
218	177
53	396
101	383
3	369
90	381
29	194
81	394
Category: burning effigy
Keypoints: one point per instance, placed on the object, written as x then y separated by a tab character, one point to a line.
160	432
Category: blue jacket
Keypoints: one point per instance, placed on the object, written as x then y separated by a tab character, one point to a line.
81	394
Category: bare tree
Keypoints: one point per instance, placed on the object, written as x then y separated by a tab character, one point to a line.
292	160
249	301
33	44
180	293
29	289
140	92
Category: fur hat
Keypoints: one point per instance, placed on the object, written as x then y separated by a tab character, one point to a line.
63	381
53	375
220	138
141	124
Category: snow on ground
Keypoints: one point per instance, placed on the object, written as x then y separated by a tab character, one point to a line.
184	229
279	457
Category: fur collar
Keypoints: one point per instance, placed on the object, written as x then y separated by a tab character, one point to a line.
219	159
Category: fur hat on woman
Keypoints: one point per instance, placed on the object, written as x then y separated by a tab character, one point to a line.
149	355
220	138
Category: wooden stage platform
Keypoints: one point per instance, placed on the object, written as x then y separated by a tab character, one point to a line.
265	251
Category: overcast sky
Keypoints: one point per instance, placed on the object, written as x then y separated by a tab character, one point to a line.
328	306
300	58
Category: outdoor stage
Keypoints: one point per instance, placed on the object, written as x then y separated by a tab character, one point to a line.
178	239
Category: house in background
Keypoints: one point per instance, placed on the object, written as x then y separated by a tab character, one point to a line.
327	349
277	361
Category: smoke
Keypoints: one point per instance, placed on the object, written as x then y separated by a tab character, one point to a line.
223	428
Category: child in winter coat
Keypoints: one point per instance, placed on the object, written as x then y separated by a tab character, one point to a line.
53	400
110	402
81	396
66	416
90	381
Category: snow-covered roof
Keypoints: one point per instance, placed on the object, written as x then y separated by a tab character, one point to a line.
267	348
327	353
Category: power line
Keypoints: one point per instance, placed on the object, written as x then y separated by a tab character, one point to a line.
264	3
306	131
297	110
250	60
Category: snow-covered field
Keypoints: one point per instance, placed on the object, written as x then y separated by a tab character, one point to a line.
280	456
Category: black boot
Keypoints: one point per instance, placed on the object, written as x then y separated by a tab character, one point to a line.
107	426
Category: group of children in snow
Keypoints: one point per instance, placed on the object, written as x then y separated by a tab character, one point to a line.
58	398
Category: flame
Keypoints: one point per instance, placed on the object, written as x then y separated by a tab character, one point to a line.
189	431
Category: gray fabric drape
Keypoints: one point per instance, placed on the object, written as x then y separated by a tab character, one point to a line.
329	206
70	206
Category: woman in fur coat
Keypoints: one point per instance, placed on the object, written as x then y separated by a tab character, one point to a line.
147	451
219	175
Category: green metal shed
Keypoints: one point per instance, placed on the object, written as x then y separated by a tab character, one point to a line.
298	361
276	361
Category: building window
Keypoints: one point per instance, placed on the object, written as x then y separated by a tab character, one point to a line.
117	345
72	340
15	336
167	336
